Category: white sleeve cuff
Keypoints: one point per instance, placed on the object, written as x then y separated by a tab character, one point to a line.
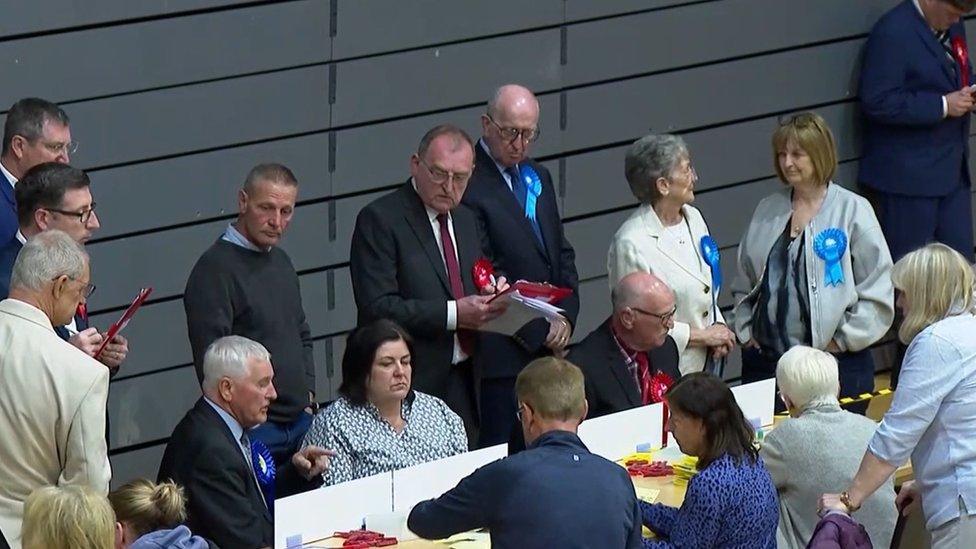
945	107
451	316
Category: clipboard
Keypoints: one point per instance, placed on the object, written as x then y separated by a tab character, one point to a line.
537	290
122	322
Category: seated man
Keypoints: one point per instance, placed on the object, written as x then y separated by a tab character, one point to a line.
619	358
210	453
555	493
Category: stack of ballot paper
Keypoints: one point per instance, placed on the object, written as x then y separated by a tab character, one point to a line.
684	469
521	310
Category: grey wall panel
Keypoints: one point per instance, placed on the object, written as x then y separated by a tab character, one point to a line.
675	101
193	118
142	463
585	9
594	307
125	58
201	186
646	42
147	408
157	337
369	26
590	238
450	76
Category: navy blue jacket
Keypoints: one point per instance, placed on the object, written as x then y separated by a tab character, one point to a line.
555	494
8	211
909	149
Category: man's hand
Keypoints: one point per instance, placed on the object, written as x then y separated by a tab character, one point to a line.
87	340
959	103
500	285
559	334
115	352
474	310
310	409
907	500
311	461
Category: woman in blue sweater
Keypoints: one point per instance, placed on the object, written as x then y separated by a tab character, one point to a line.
731	503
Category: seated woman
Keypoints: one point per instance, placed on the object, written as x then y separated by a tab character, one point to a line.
823	441
378	423
150	516
67	517
731	502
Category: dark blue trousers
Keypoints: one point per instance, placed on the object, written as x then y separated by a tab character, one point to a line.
910	222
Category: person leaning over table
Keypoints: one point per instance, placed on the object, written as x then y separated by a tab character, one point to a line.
932	418
731	502
813	266
379	423
663	236
823	441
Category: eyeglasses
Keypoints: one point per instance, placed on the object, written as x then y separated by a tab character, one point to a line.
71	147
665	318
511	134
802	119
518	413
87	290
82	216
439	176
687	171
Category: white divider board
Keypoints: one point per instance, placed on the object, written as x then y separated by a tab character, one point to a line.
320	513
756	400
429	480
614	436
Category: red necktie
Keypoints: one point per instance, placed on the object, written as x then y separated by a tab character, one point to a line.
82	311
465	338
644	373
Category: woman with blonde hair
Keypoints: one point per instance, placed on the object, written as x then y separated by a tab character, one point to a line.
68	517
150	516
932	418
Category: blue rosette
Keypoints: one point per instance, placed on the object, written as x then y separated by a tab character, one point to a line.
264	471
533	186
830	246
709	251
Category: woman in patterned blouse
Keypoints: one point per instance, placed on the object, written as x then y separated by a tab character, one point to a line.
379	424
731	503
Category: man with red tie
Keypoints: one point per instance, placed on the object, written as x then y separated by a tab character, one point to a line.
54	195
411	261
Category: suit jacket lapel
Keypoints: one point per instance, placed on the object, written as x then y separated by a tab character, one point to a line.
615	360
7	190
416	216
655	229
935	48
507	198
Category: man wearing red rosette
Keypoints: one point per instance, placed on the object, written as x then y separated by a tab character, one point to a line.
917	94
412	258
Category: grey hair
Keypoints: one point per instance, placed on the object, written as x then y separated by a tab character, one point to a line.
622	296
807	376
229	357
46	256
649	158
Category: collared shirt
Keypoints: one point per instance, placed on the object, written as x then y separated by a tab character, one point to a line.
10	177
366	444
234	236
501	168
236	430
630	359
20	237
933	418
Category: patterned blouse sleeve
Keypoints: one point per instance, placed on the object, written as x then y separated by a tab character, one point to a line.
457	436
325	432
697	523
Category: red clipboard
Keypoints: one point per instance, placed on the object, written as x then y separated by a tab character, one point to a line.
121	323
537	290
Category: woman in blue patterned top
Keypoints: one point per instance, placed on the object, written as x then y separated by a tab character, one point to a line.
379	424
731	503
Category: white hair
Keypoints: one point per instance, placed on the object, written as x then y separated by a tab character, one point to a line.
46	256
229	357
807	376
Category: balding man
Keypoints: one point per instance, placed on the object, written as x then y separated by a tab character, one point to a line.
619	358
515	203
52	396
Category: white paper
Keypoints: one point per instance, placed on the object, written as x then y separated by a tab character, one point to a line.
614	436
756	400
521	310
320	513
429	480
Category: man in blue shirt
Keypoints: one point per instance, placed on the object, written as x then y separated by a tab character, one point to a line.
554	494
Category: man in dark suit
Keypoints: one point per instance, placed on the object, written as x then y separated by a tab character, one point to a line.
34	132
210	453
917	99
620	357
411	261
515	204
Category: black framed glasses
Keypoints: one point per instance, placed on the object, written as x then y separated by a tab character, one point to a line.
440	176
87	290
511	134
665	318
82	216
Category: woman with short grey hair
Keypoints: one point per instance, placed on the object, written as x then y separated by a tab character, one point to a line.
665	236
823	441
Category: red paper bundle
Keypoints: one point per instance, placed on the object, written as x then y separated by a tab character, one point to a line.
483	274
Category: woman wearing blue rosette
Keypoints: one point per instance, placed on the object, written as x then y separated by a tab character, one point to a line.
668	237
814	267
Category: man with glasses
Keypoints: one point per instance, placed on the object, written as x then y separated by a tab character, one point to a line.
35	131
52	417
53	195
411	261
515	204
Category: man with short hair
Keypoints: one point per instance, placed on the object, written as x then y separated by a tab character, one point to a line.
620	358
515	204
211	455
52	397
53	195
554	494
244	284
35	131
411	261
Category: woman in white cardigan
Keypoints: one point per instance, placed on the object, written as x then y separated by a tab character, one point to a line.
663	236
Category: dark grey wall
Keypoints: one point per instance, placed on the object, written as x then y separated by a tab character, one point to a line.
173	101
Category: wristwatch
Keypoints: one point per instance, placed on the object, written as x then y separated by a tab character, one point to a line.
845	498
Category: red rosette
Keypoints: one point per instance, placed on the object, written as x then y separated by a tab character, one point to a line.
660	383
961	53
483	274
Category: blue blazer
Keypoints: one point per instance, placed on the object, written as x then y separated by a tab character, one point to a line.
8	211
555	494
908	147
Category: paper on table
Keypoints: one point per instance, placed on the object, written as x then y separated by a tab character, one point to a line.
429	480
648	495
756	400
614	436
521	310
469	540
